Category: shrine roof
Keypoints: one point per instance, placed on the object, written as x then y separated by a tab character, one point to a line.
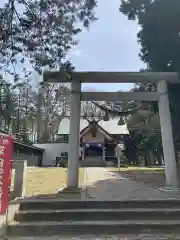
111	126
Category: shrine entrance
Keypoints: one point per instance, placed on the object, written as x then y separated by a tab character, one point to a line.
93	150
159	78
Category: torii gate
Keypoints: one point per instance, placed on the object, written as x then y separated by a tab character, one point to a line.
159	78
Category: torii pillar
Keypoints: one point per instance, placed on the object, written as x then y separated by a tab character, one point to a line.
167	136
74	134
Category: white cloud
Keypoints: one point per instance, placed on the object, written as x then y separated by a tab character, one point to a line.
78	53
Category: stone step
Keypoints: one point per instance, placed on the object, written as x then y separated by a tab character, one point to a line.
98	214
158	236
95	227
55	204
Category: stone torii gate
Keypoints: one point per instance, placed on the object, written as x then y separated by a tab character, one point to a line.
159	78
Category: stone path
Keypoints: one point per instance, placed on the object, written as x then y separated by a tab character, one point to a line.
103	185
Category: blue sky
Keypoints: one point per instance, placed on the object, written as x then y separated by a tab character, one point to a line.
109	45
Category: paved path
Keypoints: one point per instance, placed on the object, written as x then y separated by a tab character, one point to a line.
104	185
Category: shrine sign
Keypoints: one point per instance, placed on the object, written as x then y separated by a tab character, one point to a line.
5	168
